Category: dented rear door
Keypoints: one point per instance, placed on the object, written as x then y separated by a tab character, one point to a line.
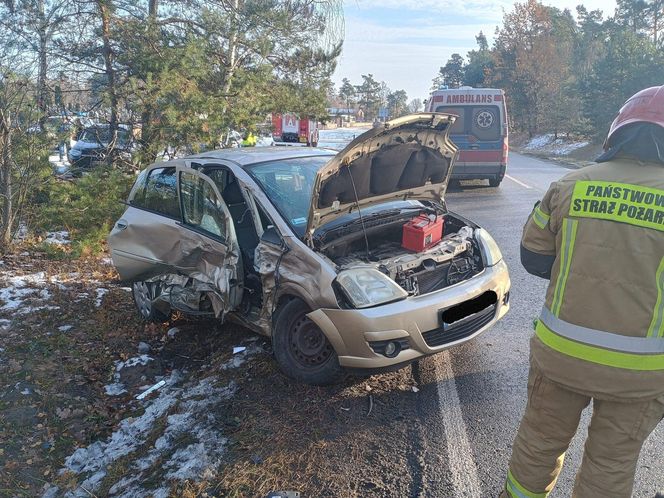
144	239
196	239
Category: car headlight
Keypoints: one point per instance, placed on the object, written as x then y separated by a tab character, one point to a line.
366	287
490	250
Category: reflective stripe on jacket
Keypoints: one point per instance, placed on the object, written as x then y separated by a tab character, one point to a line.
599	232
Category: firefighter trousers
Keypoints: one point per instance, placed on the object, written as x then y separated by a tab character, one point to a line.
616	433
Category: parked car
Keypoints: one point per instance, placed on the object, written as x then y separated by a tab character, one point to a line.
350	261
94	144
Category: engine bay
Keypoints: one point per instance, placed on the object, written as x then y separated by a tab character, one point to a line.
454	258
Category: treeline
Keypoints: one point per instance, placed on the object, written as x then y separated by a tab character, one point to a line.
371	95
566	75
181	72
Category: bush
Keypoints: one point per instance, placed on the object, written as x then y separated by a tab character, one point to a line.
87	207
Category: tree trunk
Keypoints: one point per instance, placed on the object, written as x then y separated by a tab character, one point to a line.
109	69
656	16
149	148
232	54
43	65
6	193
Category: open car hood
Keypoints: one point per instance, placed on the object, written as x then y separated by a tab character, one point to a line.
406	158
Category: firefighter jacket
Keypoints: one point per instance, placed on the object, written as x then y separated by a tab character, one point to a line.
598	234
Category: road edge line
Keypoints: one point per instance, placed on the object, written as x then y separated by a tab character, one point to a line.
459	451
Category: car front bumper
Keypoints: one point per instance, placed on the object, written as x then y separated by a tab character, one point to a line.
415	322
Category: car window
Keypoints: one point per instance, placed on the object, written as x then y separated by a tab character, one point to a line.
485	124
218	176
159	193
459	125
103	135
201	206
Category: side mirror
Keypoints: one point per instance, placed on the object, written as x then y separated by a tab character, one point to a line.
271	236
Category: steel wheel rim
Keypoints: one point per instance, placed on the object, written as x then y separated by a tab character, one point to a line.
307	343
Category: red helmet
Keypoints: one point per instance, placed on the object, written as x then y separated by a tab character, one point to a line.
646	106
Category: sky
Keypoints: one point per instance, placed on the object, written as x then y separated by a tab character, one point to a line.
405	42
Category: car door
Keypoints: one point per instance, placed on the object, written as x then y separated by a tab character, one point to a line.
209	248
177	223
144	242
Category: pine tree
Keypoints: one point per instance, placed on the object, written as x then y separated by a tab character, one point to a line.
397	103
452	73
479	63
347	92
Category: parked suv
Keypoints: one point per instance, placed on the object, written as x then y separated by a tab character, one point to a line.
307	246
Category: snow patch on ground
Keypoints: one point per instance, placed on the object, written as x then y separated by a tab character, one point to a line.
100	296
241	357
22	233
117	387
57	238
65	328
22	294
133	362
189	444
555	146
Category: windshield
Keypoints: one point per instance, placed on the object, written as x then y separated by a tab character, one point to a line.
289	184
102	135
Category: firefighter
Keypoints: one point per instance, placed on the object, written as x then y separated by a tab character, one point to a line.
249	140
598	236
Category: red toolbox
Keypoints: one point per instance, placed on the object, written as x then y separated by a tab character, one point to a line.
422	232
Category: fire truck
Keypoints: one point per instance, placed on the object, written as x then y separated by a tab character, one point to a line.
289	129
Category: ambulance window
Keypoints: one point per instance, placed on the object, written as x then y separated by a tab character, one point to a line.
485	123
459	124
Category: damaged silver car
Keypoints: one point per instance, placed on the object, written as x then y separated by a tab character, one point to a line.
348	261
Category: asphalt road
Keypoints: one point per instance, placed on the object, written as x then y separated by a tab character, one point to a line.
477	392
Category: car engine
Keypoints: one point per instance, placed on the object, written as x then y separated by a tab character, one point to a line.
455	258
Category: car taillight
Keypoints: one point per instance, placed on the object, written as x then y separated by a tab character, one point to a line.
505	150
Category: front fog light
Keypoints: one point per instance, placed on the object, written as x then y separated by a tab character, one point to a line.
392	349
366	287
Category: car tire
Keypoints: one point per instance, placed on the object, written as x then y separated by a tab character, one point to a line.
495	182
301	349
143	294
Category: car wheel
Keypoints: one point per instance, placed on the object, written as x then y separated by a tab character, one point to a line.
495	182
301	348
144	293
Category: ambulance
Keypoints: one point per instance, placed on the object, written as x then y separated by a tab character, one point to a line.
480	131
289	129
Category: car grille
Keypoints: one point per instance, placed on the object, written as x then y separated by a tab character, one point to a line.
457	331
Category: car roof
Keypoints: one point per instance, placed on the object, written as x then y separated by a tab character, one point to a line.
252	155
